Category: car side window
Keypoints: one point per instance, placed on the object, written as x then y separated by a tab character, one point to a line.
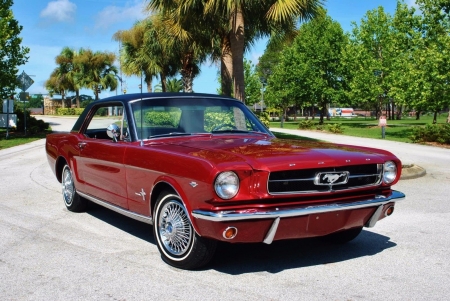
105	116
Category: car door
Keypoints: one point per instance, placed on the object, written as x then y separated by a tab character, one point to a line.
101	163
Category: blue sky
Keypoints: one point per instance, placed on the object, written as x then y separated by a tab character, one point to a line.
48	26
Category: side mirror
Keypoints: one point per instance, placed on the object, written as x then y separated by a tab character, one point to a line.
113	132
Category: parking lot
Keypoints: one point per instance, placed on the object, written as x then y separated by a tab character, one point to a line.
49	253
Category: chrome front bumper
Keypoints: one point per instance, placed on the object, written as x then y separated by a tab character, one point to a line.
238	215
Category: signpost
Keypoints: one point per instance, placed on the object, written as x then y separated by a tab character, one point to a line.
26	81
8	108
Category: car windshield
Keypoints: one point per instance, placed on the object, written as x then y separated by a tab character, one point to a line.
161	117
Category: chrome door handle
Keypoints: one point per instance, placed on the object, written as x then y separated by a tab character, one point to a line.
81	145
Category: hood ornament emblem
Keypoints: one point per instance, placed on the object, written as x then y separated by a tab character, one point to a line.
193	184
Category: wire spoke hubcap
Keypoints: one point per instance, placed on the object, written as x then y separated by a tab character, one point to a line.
67	186
175	228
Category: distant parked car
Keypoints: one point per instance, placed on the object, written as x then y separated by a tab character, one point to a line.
202	168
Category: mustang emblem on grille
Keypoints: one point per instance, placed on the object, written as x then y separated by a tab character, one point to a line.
331	178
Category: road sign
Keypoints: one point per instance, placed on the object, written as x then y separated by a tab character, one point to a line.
25	81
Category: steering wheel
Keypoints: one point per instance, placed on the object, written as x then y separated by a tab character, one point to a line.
226	126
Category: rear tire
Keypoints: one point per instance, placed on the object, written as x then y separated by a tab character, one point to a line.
344	236
175	237
71	198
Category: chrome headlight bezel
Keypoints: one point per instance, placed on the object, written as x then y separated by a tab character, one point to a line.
389	172
226	185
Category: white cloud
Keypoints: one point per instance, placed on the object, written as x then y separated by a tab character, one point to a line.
114	14
59	10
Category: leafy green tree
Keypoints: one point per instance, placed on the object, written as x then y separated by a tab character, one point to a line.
253	84
12	54
369	59
284	86
432	59
312	73
36	101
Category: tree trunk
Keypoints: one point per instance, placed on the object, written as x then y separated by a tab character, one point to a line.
187	71
63	104
237	50
448	117
399	113
417	115
435	117
163	81
148	82
226	67
77	97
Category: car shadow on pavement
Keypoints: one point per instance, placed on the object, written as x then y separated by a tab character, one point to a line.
136	228
235	259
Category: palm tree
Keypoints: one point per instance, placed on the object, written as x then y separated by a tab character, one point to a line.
74	75
175	85
58	83
63	78
236	19
99	72
135	60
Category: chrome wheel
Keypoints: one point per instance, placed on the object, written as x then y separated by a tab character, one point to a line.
68	188
174	228
71	198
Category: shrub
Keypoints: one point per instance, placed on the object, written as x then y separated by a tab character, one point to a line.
33	125
432	133
320	127
264	117
170	119
306	124
335	128
212	119
69	111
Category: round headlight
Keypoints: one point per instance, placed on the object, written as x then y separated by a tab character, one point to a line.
390	172
226	185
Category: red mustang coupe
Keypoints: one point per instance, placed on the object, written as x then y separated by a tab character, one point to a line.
202	168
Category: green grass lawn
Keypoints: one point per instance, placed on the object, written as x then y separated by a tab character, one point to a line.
396	130
18	138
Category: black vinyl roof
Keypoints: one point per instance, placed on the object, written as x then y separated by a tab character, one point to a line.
147	95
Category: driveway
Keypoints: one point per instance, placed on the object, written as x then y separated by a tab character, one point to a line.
48	253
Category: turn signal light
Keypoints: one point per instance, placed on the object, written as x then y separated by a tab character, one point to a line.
389	211
230	233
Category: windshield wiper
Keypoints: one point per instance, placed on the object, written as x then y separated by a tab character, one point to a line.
169	135
237	131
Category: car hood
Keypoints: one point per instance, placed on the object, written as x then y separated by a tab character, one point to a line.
275	154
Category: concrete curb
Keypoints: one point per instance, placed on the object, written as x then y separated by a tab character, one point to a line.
412	171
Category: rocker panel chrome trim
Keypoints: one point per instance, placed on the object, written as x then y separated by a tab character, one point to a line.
141	218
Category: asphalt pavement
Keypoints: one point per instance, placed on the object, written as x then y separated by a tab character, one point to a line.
49	253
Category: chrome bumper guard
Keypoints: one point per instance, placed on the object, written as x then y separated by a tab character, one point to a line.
234	215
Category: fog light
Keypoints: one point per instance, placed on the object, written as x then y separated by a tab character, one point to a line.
389	211
230	233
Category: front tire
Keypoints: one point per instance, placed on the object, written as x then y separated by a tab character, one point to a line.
175	237
71	198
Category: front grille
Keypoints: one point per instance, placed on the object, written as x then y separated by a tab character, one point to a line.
305	180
